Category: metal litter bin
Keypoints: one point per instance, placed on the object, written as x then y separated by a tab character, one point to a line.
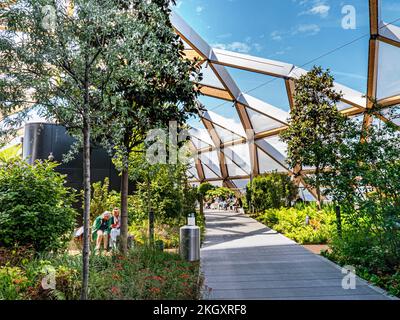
190	241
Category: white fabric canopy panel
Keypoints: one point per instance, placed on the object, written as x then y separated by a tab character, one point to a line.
239	156
209	78
226	135
278	144
210	163
268	164
388	71
261	122
389	31
255	118
208	173
225	123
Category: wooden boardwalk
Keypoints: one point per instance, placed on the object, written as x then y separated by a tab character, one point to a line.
242	259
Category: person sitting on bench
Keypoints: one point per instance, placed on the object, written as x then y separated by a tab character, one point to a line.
101	230
115	228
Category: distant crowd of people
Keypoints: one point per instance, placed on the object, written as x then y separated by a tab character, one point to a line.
229	204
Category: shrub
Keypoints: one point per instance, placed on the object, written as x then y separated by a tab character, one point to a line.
292	223
221	192
366	183
272	190
143	274
35	206
204	188
100	199
167	193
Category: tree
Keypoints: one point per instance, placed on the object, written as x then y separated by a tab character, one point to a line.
366	182
67	56
271	191
15	101
315	126
202	191
153	87
221	192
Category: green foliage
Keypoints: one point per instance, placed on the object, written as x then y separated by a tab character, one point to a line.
315	126
221	192
10	153
162	187
144	274
292	223
102	198
176	202
12	281
272	190
204	188
35	206
366	183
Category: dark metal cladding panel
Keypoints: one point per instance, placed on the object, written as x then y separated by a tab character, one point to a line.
41	139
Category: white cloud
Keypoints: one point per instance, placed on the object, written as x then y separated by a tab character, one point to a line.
237	46
307	29
276	35
322	10
315	7
304	29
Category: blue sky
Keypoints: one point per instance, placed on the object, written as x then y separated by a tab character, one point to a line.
292	31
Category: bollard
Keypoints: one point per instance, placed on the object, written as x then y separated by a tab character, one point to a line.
189	248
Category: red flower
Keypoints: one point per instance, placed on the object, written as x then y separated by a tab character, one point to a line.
156	278
184	276
155	290
18	281
115	291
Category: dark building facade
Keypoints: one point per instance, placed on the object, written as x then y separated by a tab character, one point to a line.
44	139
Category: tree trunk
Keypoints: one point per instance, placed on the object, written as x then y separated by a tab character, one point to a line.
201	205
318	187
124	210
86	210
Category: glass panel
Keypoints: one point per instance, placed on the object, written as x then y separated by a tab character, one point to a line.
267	88
262	123
209	77
388	71
234	170
241	184
202	135
305	194
267	164
210	159
278	144
199	144
239	155
226	135
209	174
343	106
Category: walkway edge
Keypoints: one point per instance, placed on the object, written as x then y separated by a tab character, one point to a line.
375	288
